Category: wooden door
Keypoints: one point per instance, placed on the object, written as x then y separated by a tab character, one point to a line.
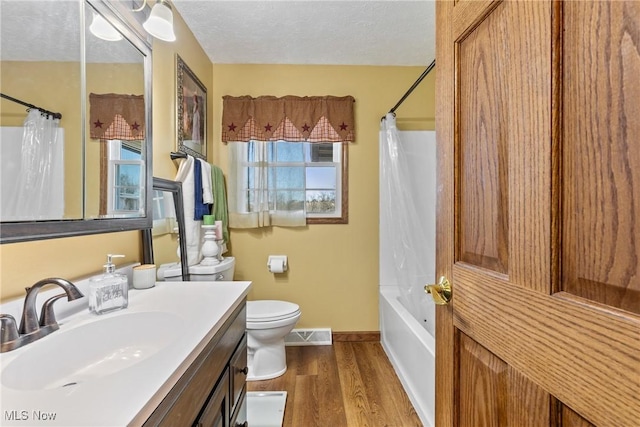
538	129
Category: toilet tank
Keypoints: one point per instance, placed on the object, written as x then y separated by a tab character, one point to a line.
202	273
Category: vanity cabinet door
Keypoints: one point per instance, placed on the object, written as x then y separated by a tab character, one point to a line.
238	372
216	411
183	405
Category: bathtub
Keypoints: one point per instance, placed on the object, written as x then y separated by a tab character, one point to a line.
411	350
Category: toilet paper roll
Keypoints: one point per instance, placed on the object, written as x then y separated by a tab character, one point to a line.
276	266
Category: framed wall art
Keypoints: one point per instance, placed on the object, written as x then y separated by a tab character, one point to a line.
191	107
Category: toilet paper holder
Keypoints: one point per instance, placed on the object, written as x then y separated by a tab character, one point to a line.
277	263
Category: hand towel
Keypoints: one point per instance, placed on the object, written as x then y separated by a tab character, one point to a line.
191	233
200	208
207	195
220	211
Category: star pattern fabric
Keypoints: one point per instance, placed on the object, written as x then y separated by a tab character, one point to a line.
128	110
290	118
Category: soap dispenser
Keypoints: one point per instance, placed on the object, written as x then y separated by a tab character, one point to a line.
109	291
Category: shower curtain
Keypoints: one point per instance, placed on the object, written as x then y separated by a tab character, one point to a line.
38	186
407	212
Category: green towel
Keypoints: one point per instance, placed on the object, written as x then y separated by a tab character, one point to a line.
219	211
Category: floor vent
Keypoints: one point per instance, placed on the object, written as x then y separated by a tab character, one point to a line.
321	336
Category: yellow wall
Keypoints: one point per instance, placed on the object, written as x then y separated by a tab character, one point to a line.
333	269
22	264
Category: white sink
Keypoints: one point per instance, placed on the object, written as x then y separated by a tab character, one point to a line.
106	346
114	369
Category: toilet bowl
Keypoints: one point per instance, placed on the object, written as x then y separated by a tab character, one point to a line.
268	322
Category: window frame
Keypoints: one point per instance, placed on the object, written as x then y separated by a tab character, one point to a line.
342	187
343	217
113	161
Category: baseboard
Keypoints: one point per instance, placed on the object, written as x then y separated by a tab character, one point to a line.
356	336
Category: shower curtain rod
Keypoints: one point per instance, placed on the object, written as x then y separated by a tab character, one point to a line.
17	101
417	82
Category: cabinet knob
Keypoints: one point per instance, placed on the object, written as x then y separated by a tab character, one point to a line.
244	424
244	370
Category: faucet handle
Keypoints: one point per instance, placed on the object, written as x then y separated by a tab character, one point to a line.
8	328
47	315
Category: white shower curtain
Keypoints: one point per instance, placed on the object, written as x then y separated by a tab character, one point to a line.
407	212
38	191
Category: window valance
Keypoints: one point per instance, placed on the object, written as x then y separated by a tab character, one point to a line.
115	116
289	118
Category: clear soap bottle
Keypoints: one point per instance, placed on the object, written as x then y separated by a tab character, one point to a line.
109	291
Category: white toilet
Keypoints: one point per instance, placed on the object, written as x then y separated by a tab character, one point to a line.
268	321
199	273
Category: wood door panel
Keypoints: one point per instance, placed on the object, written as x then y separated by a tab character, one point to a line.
502	140
483	386
494	394
558	342
529	404
601	256
483	145
571	419
469	13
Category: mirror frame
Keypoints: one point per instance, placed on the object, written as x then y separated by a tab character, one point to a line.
175	188
11	232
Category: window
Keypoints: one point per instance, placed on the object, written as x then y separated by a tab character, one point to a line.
125	178
292	178
164	216
288	159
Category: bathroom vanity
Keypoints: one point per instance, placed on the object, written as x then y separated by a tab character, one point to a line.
212	390
175	356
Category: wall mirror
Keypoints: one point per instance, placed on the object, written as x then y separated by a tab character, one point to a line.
87	170
160	244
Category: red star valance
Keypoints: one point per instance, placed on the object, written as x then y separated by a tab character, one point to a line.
289	118
115	116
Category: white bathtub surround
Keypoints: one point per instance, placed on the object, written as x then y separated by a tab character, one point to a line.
407	259
411	350
407	212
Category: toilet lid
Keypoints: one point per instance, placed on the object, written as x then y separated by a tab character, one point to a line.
269	310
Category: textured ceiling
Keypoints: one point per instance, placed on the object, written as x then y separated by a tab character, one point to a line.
341	32
49	30
338	32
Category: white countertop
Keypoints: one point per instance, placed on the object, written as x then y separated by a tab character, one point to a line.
129	396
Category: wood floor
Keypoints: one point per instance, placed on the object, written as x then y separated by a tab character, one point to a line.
348	384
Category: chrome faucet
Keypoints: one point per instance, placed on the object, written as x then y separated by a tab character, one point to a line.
32	329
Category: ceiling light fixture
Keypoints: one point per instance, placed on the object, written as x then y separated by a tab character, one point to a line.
103	30
160	22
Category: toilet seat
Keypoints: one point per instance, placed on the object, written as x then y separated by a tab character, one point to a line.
271	311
